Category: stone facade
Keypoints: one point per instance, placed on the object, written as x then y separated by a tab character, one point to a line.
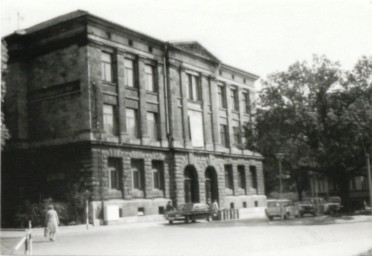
174	132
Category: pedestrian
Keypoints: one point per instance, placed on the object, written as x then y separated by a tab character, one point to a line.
169	206
215	207
51	223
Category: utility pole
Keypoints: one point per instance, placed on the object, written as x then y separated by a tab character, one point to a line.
280	157
369	181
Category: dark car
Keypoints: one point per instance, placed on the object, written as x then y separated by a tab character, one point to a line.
189	212
307	207
333	205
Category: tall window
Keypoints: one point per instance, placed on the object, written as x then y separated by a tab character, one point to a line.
229	176
115	172
196	128
158	174
222	96
234	99
109	119
193	92
138	174
152	125
246	102
223	135
241	176
132	122
106	67
253	171
236	135
129	73
150	82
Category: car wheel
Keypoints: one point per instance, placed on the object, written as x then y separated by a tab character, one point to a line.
193	221
271	217
187	219
171	222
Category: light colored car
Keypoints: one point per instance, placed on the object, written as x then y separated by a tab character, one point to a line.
282	208
189	212
333	205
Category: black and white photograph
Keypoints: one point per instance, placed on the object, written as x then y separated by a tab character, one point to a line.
195	127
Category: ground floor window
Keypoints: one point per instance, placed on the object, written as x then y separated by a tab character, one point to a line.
158	174
229	176
253	172
138	174
115	173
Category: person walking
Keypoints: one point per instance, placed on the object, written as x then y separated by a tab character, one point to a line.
215	207
51	223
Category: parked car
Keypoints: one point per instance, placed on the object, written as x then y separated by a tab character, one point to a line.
189	212
332	205
314	206
306	206
282	208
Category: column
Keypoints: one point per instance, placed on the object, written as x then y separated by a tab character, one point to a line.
142	101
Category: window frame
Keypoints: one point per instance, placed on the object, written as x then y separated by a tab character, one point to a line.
224	135
229	176
235	99
135	119
107	64
193	87
114	128
157	166
153	133
138	174
131	70
222	102
152	79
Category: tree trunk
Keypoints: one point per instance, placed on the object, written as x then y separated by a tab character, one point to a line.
344	190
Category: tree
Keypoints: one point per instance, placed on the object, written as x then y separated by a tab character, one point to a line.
4	60
319	117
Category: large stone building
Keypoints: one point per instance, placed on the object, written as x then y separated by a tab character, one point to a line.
136	121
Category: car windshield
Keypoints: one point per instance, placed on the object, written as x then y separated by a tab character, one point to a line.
334	200
273	204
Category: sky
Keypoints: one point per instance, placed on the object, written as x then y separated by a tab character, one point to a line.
260	36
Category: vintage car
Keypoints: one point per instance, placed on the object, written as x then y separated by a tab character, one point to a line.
306	206
314	206
332	205
282	208
189	212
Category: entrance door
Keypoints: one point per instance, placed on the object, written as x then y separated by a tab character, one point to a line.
211	185
191	185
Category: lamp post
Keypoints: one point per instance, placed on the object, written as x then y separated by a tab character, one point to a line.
280	157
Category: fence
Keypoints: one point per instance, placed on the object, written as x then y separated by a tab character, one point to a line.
227	214
12	240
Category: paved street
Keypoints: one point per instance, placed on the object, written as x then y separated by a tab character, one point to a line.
243	237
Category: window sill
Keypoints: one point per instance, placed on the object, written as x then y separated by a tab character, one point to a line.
153	93
109	83
195	101
131	88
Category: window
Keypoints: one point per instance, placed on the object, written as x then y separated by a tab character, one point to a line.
234	99
224	135
241	176
138	174
106	67
222	96
132	122
152	125
236	135
109	119
193	92
246	102
115	172
150	82
158	174
252	170
228	176
129	73
196	128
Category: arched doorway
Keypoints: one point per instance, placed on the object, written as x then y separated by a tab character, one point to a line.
191	185
211	185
